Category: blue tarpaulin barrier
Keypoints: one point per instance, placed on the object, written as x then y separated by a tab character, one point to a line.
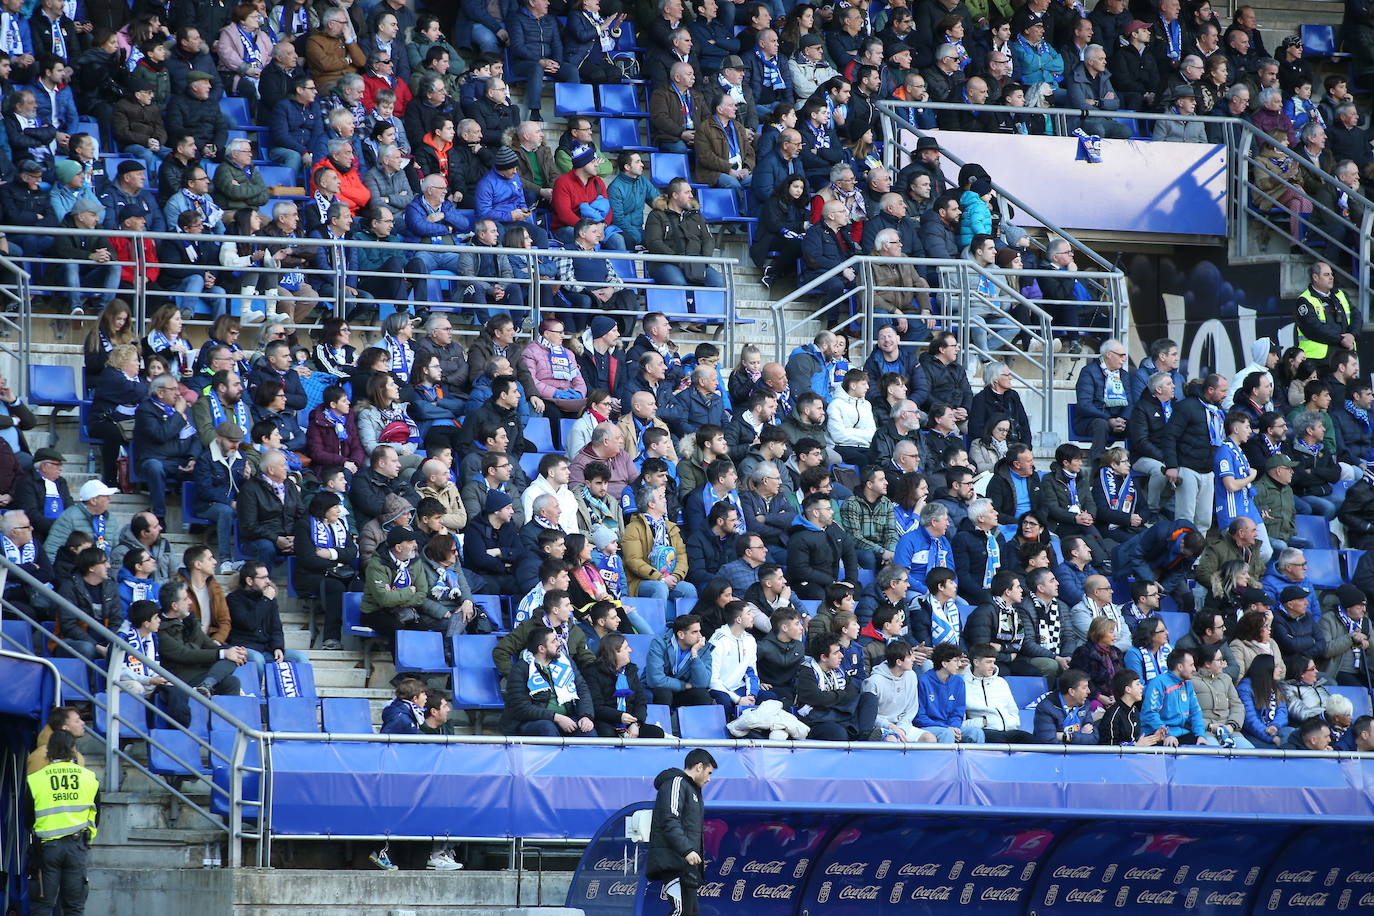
795	859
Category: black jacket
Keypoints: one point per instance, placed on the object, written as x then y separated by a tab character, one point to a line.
982	628
676	828
885	442
296	398
523	706
254	621
706	554
779	662
948	383
262	515
1314	475
1357	513
310	566
201	119
601	687
493	118
1054	500
1145	428
1003	495
489	414
1135	72
836	706
988	404
368	493
971	556
1186	442
813	557
159	436
29	493
73	588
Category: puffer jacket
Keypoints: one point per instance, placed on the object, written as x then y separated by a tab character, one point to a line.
988	703
1217	696
137	124
670	232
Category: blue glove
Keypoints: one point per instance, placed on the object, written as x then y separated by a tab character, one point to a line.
566	394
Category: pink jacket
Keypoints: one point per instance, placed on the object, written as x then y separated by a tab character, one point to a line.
622	469
229	49
536	357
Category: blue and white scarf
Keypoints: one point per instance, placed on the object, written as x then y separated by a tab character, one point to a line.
402	577
18	555
562	363
564	686
1216	423
1153	662
340	423
994	559
217	411
98	523
772	72
944	621
53	505
1114	394
828	681
1173	34
328	535
402	356
251	57
1120	496
1352	627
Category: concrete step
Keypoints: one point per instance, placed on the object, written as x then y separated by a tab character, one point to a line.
355	893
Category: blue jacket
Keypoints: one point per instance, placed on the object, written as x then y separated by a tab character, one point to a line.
150	589
418	228
821	251
533	39
664	670
429	410
943	703
755	78
398	719
1299	634
1256	721
1050	714
919	552
976	219
1172	703
295	126
1036	65
497	196
629	196
770	171
113	198
808	370
1274	584
697	411
1090	392
1139	381
159	435
216	483
1071	581
65	118
1153	555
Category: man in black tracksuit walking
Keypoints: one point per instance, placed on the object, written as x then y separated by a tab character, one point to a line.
675	853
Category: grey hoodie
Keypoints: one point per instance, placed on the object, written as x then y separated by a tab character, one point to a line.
898	697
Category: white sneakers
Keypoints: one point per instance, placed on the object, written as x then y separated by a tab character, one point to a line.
443	861
228	567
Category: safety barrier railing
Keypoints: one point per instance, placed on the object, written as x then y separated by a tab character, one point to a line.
1244	142
346	291
16	315
117	721
975	301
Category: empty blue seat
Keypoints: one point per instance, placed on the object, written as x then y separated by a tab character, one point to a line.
1324	568
476	688
54	387
664	167
420	650
235	108
305	680
573	100
473	651
275	176
660	715
346	715
1315	529
701	722
671	302
810	607
1026	691
620	100
17	636
76	679
172	752
1319	41
1176	623
492	605
619	134
540	434
133	716
247	710
1351	559
529	463
639	649
353	626
653	610
685	605
865	577
721	205
293	714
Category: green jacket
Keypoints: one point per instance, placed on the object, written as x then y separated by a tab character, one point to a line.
234	189
513	643
378	595
1217	553
75	518
1278	502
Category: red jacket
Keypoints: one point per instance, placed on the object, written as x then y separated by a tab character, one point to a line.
569	192
373	84
352	191
325	448
124	251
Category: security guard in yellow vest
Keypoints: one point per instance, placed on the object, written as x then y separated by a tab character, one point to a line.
64	797
1325	316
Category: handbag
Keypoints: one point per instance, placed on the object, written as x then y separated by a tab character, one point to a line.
397	431
341	573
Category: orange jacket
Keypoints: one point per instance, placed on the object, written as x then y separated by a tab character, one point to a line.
352	191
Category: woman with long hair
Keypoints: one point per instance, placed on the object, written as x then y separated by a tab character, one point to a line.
1099	658
710	606
801	21
269	403
386	421
114	327
1266	710
164	339
744	378
225	332
334	352
771	126
326	561
1254	638
1030	529
1290	372
784	221
1224	591
620	702
991	446
908	494
370	362
437	414
586	586
241	257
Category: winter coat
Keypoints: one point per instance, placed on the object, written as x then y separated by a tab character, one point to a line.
635	543
814	555
1258	719
662	671
1338	656
988	703
601	688
184	648
217	613
137	124
1050	714
676	828
263	515
254	622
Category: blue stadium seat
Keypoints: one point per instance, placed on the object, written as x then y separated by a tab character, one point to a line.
476	688
574	100
133	717
529	463
865	577
420	650
235	108
1026	690
170	743
1350	559
720	205
473	651
664	167
620	100
305	674
965	610
346	715
1324	568
810	606
654	610
353	626
619	134
247	710
293	714
540	434
17	636
277	176
1315	529
660	715
492	605
1176	623
76	680
54	387
565	425
1319	41
701	722
639	649
671	302
685	605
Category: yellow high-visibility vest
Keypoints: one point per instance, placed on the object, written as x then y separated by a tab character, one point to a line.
63	800
1315	349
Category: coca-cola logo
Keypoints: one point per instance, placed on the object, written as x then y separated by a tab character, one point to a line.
1366	900
1143	874
1217	898
1296	877
852	869
1080	895
1002	894
990	871
765	868
1360	877
1309	900
711	889
610	865
1078	871
867	892
1157	897
942	892
774	891
623	889
918	871
1217	874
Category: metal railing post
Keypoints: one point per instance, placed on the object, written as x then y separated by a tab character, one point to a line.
140	287
870	303
1363	265
340	277
964	293
728	334
112	692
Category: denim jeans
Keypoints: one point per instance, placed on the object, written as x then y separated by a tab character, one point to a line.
156	472
287	157
153	160
484	38
192	288
733	183
223	518
263	550
90	277
656	589
677	146
672	275
429	262
1315	505
973	734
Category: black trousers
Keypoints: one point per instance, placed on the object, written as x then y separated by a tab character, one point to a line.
64	876
222	675
857	728
111	440
1014	736
694	696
